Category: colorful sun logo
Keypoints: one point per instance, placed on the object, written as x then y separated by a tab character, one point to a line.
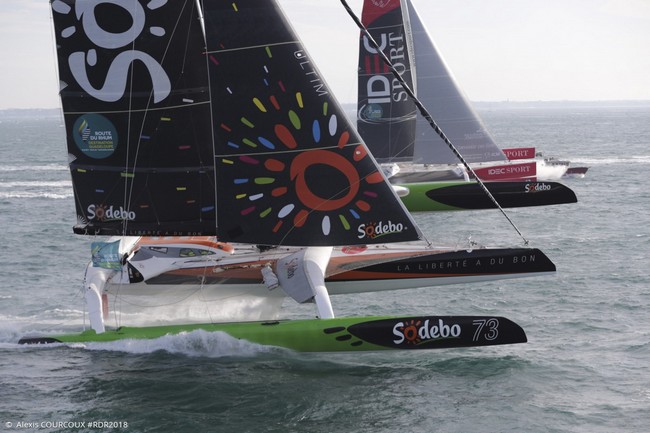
410	330
100	212
295	163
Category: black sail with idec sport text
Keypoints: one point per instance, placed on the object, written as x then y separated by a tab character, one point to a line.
134	90
386	115
291	168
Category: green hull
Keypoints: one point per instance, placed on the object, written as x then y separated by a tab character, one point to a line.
335	335
444	196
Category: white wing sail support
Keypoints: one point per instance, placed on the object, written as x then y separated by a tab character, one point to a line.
96	279
302	277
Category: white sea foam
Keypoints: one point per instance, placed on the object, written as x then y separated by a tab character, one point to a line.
195	343
27	194
42	167
640	160
37	184
54	189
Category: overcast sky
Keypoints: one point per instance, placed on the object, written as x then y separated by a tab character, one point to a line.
518	50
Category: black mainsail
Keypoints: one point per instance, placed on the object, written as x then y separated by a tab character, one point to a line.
135	98
291	168
150	115
386	115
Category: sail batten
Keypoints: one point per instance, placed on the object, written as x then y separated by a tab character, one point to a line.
142	110
250	47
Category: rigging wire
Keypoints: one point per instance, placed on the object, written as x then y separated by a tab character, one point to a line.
128	187
423	110
200	10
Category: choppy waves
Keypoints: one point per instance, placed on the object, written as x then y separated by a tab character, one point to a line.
581	371
57	189
611	160
29	168
49	181
195	343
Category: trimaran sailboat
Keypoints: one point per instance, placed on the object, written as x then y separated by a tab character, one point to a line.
191	119
414	153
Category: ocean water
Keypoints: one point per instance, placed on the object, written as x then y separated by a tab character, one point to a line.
584	369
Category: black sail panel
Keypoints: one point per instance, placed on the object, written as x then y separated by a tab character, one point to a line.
134	90
291	168
386	115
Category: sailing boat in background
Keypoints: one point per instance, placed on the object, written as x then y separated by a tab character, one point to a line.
192	119
387	118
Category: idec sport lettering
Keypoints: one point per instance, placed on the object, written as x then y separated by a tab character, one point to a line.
379	88
520	153
509	170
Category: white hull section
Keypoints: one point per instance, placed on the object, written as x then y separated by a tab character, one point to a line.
223	302
412	172
198	280
224	291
